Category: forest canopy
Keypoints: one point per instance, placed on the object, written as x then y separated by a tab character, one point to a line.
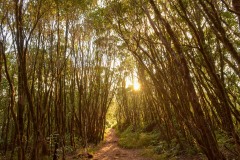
168	66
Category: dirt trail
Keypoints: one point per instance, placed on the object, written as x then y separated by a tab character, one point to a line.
111	151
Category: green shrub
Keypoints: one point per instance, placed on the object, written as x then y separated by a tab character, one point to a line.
137	139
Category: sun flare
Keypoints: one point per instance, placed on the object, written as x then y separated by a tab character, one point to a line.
136	86
132	83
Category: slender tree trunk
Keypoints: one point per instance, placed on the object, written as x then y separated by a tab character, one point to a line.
21	67
206	139
236	7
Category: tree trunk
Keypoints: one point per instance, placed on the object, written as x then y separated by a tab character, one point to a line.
236	7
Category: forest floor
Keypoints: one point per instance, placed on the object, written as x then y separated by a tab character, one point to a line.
110	150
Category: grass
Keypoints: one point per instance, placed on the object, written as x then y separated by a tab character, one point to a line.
151	146
227	145
129	139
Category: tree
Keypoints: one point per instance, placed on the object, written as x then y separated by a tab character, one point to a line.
180	60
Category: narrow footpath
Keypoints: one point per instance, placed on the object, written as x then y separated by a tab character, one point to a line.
111	151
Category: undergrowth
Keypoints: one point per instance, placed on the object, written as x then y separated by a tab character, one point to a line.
152	146
137	139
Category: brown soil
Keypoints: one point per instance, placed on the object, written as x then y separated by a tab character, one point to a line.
111	151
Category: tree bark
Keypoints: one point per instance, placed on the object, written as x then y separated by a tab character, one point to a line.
236	8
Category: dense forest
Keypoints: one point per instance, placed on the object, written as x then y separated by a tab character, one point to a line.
167	66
